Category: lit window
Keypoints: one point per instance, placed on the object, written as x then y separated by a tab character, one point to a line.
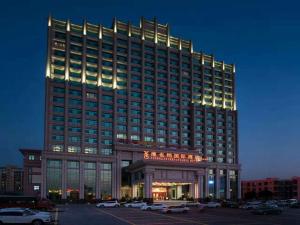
57	148
31	157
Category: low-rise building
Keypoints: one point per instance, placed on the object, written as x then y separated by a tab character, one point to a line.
32	171
279	188
11	180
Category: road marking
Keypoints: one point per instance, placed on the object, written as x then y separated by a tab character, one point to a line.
119	218
177	218
56	216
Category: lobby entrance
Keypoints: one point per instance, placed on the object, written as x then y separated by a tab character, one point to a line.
170	190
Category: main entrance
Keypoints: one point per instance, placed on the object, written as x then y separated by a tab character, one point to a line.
170	191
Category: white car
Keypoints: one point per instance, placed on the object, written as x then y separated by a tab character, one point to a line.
175	209
251	205
24	216
108	204
135	204
213	205
154	206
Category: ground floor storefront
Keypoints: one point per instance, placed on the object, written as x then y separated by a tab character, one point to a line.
129	175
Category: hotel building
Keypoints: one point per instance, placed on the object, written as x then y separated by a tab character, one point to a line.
131	111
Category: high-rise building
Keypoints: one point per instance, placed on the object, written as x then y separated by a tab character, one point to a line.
11	180
132	111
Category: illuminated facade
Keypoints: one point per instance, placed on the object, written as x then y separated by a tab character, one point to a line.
131	110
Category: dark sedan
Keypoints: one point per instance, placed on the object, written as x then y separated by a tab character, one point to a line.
265	210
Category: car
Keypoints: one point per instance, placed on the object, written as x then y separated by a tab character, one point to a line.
230	204
108	204
175	209
295	205
267	209
154	206
251	205
192	204
135	204
213	205
24	216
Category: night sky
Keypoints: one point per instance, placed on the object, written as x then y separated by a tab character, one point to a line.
261	37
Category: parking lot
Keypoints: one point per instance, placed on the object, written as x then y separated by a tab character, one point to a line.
90	215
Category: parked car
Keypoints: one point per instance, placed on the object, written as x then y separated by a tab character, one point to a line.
192	204
24	216
175	209
265	209
230	204
251	205
213	205
155	206
108	204
295	205
135	204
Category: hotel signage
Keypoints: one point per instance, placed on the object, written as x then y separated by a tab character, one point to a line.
170	156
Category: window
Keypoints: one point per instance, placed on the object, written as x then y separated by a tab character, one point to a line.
74	149
57	148
31	157
90	150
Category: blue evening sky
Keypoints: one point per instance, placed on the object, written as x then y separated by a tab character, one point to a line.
261	37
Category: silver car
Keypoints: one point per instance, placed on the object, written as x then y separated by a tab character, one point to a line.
24	216
176	209
155	206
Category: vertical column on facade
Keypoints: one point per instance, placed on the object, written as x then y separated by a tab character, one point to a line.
206	183
118	175
129	84
148	184
48	75
192	190
98	180
67	71
192	114
83	87
99	88
217	183
155	82
142	27
213	80
168	88
203	103
81	180
44	177
115	123
228	184
233	87
114	181
64	179
200	185
180	94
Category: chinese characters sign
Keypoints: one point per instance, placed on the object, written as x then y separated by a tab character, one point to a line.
177	157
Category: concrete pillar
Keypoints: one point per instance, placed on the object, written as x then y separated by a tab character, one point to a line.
217	184
148	176
81	180
44	176
179	191
114	181
118	176
64	179
98	180
206	184
199	186
192	190
227	184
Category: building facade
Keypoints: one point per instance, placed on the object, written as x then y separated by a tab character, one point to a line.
11	179
132	111
279	188
32	167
